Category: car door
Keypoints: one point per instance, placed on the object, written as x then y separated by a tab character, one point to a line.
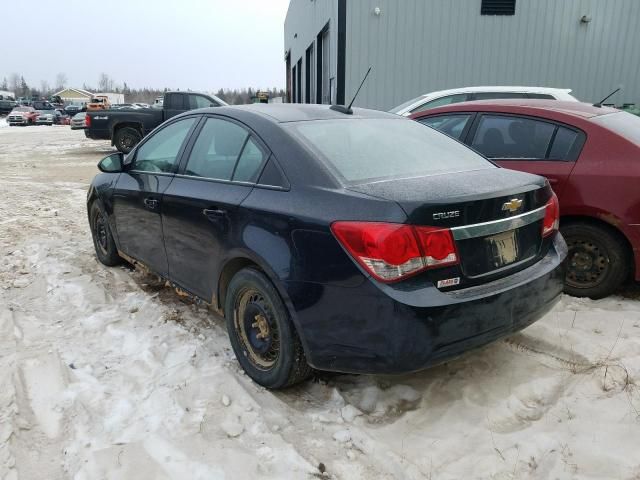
201	206
138	193
528	144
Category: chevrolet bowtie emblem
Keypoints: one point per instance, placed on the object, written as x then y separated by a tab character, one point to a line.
512	205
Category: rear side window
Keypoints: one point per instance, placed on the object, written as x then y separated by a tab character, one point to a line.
452	125
438	102
624	124
361	150
511	137
175	101
497	95
249	162
566	144
216	150
542	96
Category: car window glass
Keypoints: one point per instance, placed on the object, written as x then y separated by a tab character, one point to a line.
452	125
216	150
159	153
438	102
512	137
249	163
175	101
563	144
542	96
198	101
497	95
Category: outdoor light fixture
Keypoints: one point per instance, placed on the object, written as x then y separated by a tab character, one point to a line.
377	11
585	19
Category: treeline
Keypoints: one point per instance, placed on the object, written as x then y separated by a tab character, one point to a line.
17	84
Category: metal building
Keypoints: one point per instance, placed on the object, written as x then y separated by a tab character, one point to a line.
418	46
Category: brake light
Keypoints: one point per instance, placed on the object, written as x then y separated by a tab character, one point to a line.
551	217
393	251
87	120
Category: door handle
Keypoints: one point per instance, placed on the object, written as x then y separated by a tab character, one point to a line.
151	203
214	212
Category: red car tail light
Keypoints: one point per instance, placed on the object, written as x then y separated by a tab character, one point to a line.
393	251
87	120
551	220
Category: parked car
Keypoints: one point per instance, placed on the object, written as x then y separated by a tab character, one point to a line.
22	116
457	95
78	121
7	103
590	156
42	105
358	242
49	117
99	102
73	108
125	128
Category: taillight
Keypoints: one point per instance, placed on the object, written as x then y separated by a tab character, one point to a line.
87	120
551	216
393	251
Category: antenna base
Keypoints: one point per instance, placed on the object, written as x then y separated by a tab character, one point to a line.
341	109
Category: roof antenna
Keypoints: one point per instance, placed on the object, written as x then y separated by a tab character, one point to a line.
599	104
347	110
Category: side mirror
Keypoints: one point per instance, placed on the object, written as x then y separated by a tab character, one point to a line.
112	163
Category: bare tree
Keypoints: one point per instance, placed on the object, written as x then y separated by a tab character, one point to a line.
14	83
105	83
5	84
61	81
44	87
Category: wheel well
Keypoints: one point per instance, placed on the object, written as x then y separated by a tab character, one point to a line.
564	220
230	269
135	126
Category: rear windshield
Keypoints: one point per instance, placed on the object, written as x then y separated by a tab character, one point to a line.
361	150
624	124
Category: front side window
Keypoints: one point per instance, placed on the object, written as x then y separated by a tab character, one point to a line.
452	125
160	152
438	102
361	150
216	150
512	137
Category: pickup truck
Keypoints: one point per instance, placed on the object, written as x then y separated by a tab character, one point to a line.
126	127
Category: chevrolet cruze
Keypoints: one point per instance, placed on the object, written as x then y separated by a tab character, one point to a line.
353	241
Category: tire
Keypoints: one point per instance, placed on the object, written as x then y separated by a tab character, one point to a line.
103	241
126	138
598	261
262	335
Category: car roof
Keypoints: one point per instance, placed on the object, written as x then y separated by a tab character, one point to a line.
523	105
298	112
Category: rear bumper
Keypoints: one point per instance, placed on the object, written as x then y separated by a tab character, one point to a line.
372	329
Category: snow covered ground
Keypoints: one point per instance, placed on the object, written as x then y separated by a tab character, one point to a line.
105	374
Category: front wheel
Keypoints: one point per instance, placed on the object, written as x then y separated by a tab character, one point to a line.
103	241
597	263
262	335
126	138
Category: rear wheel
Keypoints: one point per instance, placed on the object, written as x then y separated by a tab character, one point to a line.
103	241
126	138
262	335
598	261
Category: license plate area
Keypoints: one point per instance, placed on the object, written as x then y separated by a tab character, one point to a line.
502	249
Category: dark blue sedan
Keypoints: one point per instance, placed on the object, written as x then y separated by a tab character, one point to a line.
355	242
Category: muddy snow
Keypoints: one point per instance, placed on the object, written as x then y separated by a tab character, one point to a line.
106	374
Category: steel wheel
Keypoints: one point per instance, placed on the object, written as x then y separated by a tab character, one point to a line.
257	329
101	232
588	263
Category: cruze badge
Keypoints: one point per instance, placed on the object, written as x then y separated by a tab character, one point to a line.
512	205
440	215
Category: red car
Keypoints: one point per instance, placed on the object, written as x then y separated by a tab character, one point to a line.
591	157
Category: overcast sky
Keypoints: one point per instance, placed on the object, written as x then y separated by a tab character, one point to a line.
196	44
